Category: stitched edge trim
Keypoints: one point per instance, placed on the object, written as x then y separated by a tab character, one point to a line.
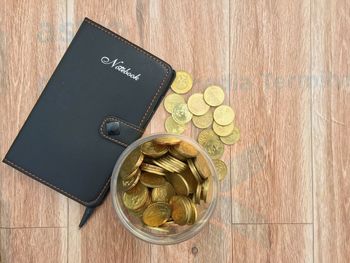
160	62
55	187
143	118
112	139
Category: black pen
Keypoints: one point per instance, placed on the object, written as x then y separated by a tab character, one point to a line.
87	213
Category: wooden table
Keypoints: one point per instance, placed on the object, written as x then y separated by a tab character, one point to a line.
285	68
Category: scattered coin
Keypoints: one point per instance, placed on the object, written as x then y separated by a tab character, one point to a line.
223	130
203	121
232	138
205	135
172	100
197	105
214	95
182	82
214	147
181	114
223	115
221	168
172	126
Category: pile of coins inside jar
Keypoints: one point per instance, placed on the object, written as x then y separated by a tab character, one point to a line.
206	112
164	181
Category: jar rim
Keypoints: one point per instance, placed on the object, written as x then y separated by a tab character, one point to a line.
172	238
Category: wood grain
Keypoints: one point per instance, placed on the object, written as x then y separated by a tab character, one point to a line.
31	46
180	27
33	245
272	243
285	68
269	52
331	129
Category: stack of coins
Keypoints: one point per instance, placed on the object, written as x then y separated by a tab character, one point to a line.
206	112
164	181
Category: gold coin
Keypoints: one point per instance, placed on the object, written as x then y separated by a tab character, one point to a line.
197	105
182	82
194	214
181	114
221	168
170	164
159	229
139	212
163	193
214	95
176	154
202	166
194	171
223	130
172	126
167	140
214	148
163	164
153	149
203	121
197	196
223	115
130	181
190	179
152	180
135	197
206	135
181	209
171	101
156	214
131	162
232	138
180	165
179	183
186	149
205	189
152	169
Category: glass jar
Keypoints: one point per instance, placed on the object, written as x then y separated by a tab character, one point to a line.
175	233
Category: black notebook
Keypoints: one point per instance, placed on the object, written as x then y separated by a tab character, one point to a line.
100	98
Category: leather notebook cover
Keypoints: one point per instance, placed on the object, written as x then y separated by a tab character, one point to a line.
99	100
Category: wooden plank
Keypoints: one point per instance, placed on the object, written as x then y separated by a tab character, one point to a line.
29	245
331	129
104	239
269	58
193	36
272	243
32	43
